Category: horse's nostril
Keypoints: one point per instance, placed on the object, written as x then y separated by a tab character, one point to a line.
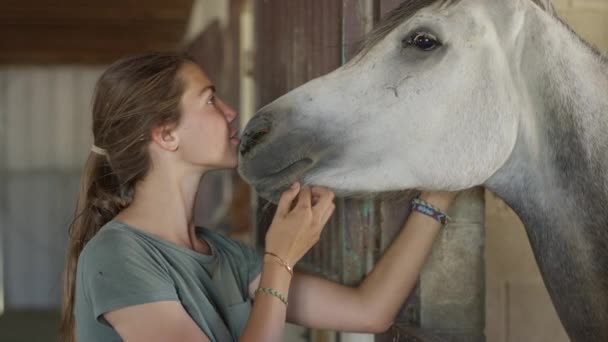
250	139
256	131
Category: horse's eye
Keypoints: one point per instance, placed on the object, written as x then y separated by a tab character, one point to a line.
423	41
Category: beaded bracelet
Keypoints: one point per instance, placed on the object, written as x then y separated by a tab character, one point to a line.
429	210
272	292
282	262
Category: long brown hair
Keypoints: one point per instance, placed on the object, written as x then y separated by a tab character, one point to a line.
133	96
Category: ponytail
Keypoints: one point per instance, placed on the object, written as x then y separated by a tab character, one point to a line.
99	201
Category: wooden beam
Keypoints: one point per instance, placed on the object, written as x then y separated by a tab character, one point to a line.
77	31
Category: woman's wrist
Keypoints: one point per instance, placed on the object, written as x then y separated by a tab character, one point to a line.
270	257
275	276
440	199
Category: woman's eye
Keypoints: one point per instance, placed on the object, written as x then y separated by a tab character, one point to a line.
423	41
211	100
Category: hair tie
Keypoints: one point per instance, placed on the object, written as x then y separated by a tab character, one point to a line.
99	150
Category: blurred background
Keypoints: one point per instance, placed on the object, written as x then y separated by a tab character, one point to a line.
51	54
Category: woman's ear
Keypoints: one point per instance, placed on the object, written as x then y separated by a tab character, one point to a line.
166	137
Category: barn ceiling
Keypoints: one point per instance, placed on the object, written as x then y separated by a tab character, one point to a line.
88	32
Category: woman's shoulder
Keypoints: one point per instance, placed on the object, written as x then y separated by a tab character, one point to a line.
112	241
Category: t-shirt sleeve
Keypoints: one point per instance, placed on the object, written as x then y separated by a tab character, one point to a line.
118	272
250	263
253	262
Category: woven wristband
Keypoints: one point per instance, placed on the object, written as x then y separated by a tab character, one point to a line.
272	292
429	210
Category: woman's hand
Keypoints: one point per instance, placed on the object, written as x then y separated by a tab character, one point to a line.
296	227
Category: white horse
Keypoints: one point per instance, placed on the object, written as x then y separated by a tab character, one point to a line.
451	94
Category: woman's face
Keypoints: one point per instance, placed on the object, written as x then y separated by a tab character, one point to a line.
206	136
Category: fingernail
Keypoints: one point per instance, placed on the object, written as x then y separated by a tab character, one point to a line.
295	185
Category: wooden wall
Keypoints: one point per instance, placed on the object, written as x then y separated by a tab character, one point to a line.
44	138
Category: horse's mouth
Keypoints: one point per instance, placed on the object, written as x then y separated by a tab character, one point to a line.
270	186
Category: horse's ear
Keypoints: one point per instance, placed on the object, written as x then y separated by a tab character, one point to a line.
547	5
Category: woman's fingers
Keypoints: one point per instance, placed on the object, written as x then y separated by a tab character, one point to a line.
287	198
317	198
324	198
324	203
327	214
319	191
304	198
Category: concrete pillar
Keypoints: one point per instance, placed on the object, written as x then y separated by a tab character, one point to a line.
452	284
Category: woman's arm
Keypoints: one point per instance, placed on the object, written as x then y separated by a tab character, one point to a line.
155	322
267	319
372	306
292	233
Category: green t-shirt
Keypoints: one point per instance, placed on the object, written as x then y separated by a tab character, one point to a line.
123	266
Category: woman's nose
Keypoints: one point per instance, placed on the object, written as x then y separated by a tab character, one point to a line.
227	110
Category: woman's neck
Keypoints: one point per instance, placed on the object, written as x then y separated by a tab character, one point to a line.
163	205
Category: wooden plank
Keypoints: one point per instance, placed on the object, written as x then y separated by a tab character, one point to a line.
40	116
358	19
16	122
40	208
83	138
63	193
17	253
297	41
216	50
115	13
48	116
3	182
85	3
64	125
34	234
88	32
108	11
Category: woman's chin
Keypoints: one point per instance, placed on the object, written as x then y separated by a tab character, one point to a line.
231	164
228	164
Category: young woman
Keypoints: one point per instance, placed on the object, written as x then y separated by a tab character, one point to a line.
139	270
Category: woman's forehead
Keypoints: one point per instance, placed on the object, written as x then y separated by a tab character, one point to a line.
194	76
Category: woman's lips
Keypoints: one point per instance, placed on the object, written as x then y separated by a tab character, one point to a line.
234	136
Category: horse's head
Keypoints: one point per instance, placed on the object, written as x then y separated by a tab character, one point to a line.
431	102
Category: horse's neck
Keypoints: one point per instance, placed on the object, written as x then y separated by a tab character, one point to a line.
557	177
